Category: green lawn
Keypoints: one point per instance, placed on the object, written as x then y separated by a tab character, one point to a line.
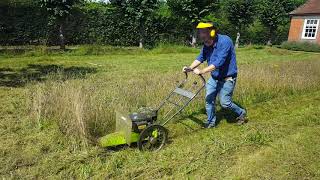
45	96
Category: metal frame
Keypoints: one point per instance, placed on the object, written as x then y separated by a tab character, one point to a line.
184	94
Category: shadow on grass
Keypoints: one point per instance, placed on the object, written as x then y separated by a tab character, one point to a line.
36	72
221	114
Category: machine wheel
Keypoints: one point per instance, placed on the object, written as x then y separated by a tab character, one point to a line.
153	138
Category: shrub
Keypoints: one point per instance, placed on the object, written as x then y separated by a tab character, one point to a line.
301	46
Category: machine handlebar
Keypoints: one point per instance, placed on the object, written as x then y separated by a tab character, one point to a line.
188	70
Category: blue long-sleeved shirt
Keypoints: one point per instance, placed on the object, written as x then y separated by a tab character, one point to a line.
222	55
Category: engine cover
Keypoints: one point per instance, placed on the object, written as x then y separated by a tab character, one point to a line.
144	114
142	118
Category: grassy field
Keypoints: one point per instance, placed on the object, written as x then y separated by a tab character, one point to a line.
55	105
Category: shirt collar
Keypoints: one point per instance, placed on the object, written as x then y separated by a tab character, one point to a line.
215	42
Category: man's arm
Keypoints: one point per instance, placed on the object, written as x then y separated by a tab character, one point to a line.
208	69
195	64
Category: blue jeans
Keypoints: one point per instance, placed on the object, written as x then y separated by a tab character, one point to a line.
225	91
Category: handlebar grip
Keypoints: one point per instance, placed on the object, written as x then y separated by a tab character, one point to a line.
188	70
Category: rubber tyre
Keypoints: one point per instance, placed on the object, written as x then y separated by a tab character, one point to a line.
147	140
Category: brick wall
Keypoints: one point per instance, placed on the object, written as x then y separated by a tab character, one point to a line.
296	28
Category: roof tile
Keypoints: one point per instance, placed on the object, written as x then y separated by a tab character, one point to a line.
309	8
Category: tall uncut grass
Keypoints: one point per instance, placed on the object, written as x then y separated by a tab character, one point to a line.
84	108
72	105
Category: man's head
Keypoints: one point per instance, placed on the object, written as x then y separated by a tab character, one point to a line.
207	32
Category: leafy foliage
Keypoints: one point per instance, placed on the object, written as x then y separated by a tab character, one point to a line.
139	12
240	12
192	11
22	22
274	13
58	8
130	23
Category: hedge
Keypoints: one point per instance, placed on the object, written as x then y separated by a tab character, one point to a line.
301	46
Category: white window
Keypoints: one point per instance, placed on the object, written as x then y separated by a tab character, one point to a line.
310	29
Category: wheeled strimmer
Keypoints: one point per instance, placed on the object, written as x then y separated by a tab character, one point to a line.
145	127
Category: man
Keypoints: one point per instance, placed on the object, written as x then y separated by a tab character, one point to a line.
218	51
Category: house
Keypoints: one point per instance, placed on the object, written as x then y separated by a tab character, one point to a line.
305	23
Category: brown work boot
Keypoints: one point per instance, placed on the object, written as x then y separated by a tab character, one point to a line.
241	120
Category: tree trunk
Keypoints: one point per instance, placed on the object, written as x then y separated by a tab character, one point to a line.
61	35
141	32
269	43
140	43
193	41
237	40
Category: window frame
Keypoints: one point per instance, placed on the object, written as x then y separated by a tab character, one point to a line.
305	26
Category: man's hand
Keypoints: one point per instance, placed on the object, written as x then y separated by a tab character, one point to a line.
195	64
197	71
184	69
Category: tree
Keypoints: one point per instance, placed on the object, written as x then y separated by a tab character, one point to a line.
59	10
192	11
140	11
274	13
241	14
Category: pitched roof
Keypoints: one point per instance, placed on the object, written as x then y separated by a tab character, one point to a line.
309	8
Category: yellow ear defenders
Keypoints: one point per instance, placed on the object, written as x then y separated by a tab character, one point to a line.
203	25
213	33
